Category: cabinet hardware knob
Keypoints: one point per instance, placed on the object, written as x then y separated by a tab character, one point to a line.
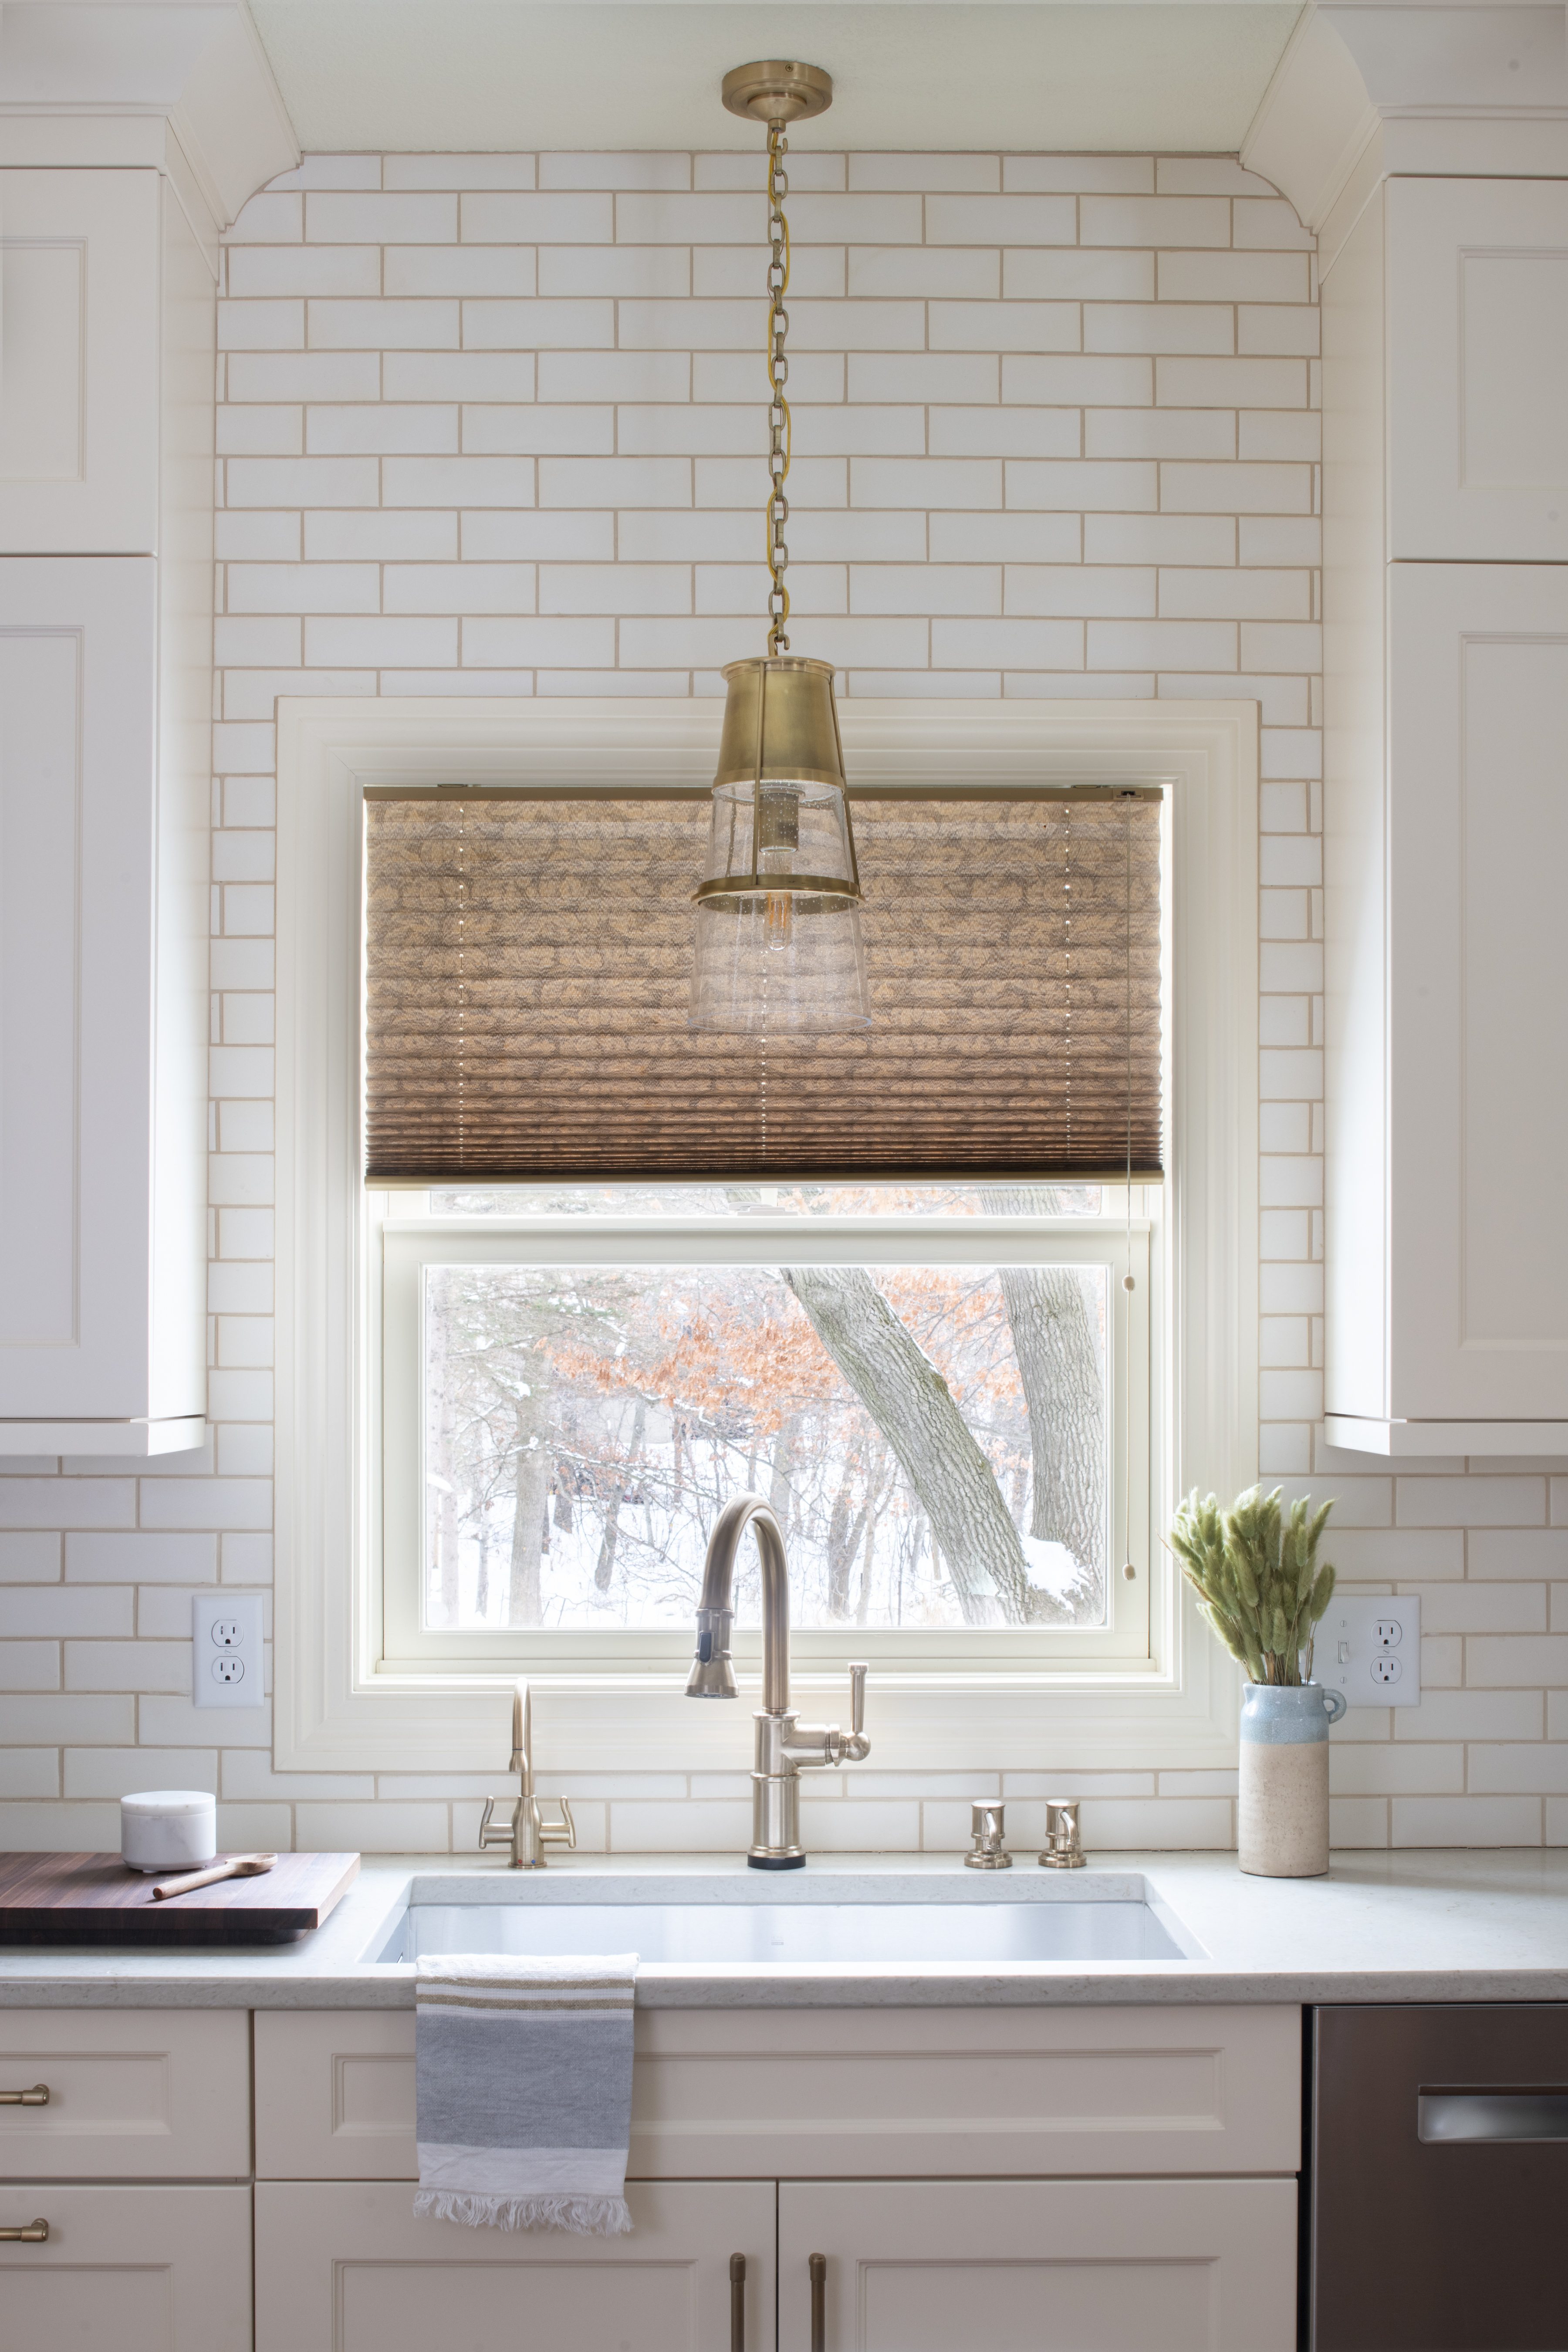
737	2303
818	2265
33	2234
38	2097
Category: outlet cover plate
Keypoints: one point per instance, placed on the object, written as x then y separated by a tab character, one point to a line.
1369	1646
226	1666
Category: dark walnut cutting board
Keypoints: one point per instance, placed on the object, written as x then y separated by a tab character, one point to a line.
93	1898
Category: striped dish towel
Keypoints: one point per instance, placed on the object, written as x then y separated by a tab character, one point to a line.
523	2082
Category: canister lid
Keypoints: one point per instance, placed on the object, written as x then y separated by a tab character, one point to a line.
169	1800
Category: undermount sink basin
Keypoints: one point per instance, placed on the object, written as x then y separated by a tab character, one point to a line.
735	1926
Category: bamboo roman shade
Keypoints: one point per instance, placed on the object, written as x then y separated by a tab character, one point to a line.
527	968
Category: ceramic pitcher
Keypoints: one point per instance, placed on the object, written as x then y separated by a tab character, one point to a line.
1282	1825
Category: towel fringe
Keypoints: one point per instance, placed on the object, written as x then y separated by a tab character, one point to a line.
599	2216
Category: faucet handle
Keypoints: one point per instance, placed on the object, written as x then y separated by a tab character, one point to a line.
492	1833
560	1832
857	1701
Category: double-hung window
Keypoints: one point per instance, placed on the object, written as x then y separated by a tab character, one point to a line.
581	1273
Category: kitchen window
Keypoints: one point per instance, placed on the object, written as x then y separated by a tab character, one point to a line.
507	1410
944	1392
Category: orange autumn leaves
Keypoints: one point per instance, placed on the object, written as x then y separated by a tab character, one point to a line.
743	1354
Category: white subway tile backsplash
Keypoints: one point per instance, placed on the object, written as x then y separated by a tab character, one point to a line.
968	273
459	387
1066	273
459	588
1015	219
380	536
1159	327
277	269
440	270
339	217
458	171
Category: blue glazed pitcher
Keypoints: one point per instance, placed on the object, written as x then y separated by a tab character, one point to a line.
1283	1819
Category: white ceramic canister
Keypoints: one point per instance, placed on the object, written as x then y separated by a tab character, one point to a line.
168	1829
1282	1820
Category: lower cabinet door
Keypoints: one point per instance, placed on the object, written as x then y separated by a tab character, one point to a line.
1040	2266
126	2270
343	2266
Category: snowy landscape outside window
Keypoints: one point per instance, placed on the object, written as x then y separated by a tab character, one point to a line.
929	1385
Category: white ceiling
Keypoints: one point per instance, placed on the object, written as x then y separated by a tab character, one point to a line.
965	75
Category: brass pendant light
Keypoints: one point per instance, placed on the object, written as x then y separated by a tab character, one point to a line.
778	940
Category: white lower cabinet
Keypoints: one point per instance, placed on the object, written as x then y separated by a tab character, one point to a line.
345	2267
1040	2265
139	2270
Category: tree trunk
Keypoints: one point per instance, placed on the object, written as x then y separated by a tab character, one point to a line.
605	1567
781	1481
1050	1310
913	1408
525	1604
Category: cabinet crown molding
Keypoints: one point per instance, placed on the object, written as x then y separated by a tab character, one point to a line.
1469	91
83	65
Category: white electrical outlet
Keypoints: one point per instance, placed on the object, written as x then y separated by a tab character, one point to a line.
226	1664
1369	1648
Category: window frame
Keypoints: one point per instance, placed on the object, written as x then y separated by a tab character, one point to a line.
405	1246
339	1703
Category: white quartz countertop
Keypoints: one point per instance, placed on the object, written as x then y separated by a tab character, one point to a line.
1380	1926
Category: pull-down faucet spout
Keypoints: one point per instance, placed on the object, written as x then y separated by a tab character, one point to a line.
784	1747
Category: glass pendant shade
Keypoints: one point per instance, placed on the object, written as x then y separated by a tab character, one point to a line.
778	945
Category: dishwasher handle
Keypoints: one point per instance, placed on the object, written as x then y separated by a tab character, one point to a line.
1472	2113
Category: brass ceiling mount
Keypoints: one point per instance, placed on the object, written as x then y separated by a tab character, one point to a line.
777	91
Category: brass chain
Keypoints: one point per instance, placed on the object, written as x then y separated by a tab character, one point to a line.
778	376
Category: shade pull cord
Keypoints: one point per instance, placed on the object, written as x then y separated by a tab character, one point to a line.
1129	1569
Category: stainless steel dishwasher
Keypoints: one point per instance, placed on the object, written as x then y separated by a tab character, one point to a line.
1439	2179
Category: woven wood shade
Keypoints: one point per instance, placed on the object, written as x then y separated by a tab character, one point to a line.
527	965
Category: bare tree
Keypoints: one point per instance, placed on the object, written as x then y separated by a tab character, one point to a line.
525	1604
1050	1310
605	1566
914	1409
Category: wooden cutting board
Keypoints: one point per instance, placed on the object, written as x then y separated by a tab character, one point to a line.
93	1898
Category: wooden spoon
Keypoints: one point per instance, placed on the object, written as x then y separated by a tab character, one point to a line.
238	1865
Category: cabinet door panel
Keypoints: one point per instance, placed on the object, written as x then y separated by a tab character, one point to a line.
148	2092
1038	2266
1478	991
142	2269
78	364
747	2094
1477	369
77	644
345	2268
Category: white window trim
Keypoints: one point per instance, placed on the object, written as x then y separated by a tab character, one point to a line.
333	1711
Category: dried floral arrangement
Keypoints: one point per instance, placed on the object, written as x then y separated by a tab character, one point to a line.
1256	1577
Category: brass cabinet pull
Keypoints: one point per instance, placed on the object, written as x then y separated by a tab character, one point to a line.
38	2097
33	2234
817	2264
737	2303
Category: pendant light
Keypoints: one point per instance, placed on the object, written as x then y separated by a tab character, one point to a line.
778	941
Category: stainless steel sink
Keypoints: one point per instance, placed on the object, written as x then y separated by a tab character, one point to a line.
727	1925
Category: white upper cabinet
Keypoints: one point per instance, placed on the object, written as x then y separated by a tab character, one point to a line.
1477	853
1446	819
103	860
81	264
1478	370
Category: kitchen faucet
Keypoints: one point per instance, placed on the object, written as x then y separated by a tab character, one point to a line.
785	1748
526	1830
